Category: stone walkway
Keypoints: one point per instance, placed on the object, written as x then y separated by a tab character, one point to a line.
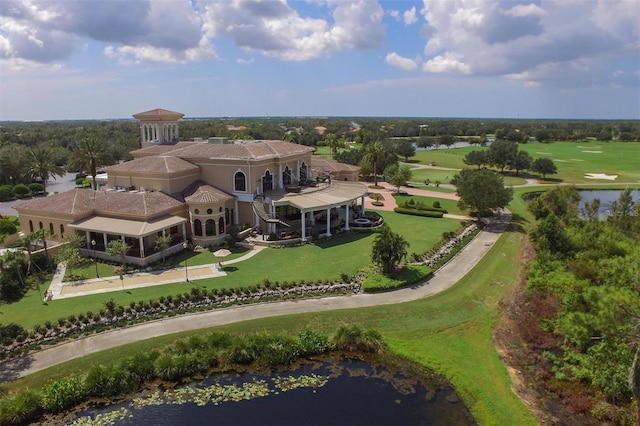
64	290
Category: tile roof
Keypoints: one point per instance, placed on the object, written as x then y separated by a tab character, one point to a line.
246	150
160	164
202	193
158	114
320	163
84	201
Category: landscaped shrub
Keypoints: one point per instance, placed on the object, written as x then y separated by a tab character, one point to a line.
415	212
21	190
313	343
406	276
62	394
9	332
6	193
7	227
36	188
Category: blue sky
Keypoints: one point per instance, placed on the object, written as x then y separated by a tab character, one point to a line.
86	59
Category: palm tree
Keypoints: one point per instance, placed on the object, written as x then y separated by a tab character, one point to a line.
162	244
373	154
41	235
388	249
90	155
43	166
26	241
333	143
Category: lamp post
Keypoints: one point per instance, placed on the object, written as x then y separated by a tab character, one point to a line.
95	259
186	269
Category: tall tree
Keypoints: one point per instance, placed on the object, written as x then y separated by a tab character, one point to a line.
43	166
522	161
398	175
118	248
544	166
405	149
502	152
476	158
373	154
481	190
90	155
388	249
162	244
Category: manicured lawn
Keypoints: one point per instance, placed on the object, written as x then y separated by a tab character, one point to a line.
324	260
450	332
573	159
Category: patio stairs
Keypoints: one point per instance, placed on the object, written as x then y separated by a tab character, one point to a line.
258	208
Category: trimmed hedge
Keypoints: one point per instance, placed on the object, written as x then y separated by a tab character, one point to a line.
415	212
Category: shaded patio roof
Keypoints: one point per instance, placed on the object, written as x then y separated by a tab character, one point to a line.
129	228
336	194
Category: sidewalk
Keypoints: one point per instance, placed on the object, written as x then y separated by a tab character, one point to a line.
64	290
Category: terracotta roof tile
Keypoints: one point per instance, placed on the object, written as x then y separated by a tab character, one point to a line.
251	150
159	164
157	114
202	193
320	163
73	202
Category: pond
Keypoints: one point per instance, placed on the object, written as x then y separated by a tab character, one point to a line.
344	392
606	197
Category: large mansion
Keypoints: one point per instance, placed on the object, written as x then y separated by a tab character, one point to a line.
196	191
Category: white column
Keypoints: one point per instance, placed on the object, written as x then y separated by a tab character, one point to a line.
346	219
235	212
362	202
88	237
104	239
328	222
280	176
142	133
304	226
141	242
184	231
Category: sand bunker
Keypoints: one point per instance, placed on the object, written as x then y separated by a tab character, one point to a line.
600	176
593	152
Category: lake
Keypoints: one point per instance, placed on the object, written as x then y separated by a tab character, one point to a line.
606	197
345	392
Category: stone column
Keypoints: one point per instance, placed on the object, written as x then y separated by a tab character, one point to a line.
346	219
304	225
329	222
141	242
362	202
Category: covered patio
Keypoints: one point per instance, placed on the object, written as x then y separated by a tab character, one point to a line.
139	235
333	205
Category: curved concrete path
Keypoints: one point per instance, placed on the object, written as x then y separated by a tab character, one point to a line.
444	278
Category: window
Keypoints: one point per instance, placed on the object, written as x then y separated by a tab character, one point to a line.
267	182
40	225
303	171
197	211
51	232
61	231
221	225
210	227
240	182
209	211
286	176
30	226
197	227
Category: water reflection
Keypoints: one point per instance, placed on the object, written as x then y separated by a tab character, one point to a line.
347	392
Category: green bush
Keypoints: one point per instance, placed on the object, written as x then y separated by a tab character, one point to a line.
7	227
20	409
406	276
21	190
36	188
62	394
6	193
312	343
354	339
415	212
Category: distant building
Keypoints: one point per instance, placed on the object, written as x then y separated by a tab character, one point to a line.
197	191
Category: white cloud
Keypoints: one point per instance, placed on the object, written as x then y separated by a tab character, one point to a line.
540	42
275	29
398	61
409	16
395	14
245	61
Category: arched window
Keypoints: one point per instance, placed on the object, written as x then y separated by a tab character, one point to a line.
210	227
51	232
286	176
197	227
40	225
303	171
61	231
30	226
267	182
240	182
221	226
